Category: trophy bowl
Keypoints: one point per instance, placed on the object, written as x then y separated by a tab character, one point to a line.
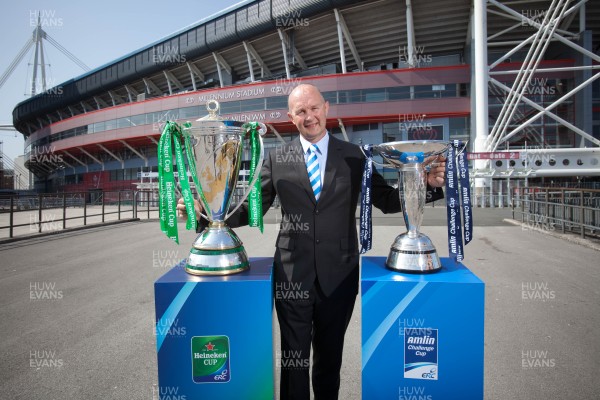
215	154
412	252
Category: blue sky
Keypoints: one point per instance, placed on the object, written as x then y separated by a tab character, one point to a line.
97	32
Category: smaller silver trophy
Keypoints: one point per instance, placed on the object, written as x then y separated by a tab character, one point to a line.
216	154
412	251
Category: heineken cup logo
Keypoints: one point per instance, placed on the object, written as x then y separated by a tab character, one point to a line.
210	359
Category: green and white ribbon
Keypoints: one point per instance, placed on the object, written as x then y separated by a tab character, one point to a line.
171	139
255	214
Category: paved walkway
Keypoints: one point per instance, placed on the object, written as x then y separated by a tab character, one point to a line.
77	310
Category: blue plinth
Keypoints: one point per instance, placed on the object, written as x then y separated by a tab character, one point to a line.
214	334
422	335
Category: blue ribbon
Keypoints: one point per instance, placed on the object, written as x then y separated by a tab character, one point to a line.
458	201
366	207
465	192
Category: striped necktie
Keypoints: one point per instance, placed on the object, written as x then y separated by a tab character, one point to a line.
314	174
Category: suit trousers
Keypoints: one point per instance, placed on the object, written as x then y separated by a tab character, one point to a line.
309	318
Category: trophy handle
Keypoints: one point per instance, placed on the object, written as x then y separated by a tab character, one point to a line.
256	171
375	162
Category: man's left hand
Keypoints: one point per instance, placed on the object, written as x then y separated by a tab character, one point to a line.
435	177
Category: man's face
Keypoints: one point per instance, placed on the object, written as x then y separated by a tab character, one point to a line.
308	111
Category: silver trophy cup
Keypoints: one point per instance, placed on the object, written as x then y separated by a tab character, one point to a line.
216	150
412	251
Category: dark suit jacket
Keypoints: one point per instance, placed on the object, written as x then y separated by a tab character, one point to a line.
318	239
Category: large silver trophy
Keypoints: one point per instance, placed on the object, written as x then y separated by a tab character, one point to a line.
216	150
412	251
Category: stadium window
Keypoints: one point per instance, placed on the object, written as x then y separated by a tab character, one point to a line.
252	105
423	92
398	93
123	123
350	96
274	103
230	107
331	97
361	127
110	124
447	90
391	127
99	127
459	127
371	95
139	119
116	175
189	112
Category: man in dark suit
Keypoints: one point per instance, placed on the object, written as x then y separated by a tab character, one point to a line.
316	257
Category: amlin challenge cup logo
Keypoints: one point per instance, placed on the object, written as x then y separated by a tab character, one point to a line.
210	359
421	353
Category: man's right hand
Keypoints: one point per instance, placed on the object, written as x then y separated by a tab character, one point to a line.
182	212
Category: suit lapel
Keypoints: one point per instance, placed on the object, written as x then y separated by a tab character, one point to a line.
300	169
333	160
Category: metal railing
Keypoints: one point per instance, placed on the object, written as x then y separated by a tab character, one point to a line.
567	209
50	212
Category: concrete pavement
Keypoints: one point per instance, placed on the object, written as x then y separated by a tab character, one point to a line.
77	309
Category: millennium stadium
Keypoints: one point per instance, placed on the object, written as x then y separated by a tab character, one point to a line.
517	80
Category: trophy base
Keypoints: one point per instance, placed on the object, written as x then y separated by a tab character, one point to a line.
413	255
217	251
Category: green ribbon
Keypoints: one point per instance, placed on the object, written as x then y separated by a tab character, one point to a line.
255	214
171	139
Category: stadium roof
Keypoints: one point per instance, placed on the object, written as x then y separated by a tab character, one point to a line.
375	33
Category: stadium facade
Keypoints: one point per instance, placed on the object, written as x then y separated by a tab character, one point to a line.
502	77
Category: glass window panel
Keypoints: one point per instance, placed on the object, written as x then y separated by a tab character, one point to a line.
252	105
189	112
374	95
230	107
110	124
331	97
139	119
398	93
123	123
350	96
99	126
423	92
278	102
